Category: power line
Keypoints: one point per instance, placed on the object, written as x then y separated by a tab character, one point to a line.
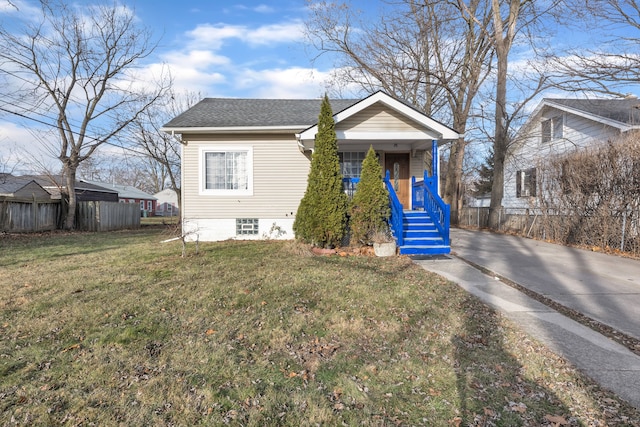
24	116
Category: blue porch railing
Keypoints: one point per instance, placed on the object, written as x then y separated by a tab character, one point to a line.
349	185
424	195
395	221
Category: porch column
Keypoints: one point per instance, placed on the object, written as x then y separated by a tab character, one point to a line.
435	163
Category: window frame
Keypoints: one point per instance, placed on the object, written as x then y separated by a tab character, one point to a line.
202	172
526	183
552	129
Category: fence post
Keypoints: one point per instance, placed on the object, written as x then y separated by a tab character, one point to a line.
624	226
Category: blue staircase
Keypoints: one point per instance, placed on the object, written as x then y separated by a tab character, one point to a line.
420	236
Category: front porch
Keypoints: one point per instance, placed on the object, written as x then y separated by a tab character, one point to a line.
420	224
403	137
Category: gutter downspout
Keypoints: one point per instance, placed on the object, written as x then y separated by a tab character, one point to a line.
301	145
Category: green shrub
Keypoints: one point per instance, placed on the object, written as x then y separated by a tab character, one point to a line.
322	215
369	210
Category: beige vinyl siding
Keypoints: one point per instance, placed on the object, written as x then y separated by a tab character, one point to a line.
376	118
279	178
417	165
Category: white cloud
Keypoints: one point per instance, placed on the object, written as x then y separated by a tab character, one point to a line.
263	8
22	152
275	33
213	37
295	82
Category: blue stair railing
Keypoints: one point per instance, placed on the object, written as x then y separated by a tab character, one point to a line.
395	220
425	196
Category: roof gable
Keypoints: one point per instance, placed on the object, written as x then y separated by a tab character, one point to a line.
425	126
622	114
18	186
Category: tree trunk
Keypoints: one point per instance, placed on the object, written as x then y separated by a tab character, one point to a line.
502	44
70	220
454	178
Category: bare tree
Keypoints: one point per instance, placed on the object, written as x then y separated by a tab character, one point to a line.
609	64
162	150
79	66
503	36
434	54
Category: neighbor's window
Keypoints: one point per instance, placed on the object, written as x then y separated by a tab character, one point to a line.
149	205
551	129
227	171
526	183
556	124
141	205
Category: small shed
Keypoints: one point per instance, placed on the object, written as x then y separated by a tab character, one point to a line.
22	189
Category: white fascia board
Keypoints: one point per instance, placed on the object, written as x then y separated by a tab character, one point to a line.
577	112
398	136
235	129
594	117
441	131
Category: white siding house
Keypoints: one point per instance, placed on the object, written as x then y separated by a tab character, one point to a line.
557	127
245	162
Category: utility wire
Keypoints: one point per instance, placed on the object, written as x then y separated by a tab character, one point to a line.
24	116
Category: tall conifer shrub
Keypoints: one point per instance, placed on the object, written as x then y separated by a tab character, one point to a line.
322	215
369	209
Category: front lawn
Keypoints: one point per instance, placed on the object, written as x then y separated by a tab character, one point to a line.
119	329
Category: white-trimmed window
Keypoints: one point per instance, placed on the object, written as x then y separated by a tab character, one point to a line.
141	205
149	205
526	183
351	163
226	170
552	129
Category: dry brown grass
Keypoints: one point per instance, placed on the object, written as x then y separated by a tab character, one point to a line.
117	329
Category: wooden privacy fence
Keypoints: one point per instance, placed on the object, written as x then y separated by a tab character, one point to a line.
23	216
30	217
107	216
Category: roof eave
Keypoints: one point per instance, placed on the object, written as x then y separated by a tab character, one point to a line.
234	129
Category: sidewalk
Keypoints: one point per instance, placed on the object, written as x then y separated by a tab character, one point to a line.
605	288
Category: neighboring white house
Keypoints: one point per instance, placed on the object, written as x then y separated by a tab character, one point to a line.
557	127
167	203
245	162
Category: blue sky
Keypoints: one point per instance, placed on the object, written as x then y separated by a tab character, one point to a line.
235	49
216	48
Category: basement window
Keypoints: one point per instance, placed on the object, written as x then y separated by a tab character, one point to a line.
246	226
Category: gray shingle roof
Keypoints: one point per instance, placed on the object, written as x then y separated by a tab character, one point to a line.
124	191
10	184
231	112
625	110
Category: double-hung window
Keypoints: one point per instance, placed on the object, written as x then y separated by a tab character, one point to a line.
227	171
526	183
552	129
351	167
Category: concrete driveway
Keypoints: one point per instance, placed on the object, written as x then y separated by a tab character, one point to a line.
603	287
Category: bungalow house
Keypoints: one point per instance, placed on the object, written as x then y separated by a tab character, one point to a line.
557	127
129	194
245	164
